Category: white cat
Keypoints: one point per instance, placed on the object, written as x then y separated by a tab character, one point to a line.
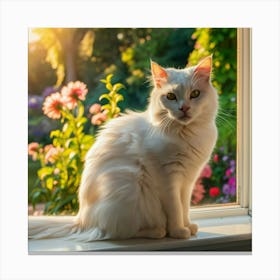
140	172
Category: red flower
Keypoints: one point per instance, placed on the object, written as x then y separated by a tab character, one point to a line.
53	105
74	92
216	158
214	191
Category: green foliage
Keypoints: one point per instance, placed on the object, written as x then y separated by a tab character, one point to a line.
113	97
61	163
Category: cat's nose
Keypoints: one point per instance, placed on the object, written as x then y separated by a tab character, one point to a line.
184	108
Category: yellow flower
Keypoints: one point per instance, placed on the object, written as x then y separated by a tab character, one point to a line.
227	66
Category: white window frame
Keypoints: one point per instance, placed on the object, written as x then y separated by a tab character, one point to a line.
243	206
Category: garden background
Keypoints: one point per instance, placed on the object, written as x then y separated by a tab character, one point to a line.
105	72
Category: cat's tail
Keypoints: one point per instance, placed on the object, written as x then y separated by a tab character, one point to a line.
46	227
50	227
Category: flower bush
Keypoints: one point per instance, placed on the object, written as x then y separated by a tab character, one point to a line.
61	162
217	181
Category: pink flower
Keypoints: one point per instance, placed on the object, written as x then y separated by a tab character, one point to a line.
99	118
73	92
53	105
56	171
33	149
52	154
198	192
206	172
214	191
228	172
95	109
48	147
216	158
232	181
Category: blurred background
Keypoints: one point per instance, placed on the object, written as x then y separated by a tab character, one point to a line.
57	56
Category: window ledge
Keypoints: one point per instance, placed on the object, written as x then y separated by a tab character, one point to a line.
215	234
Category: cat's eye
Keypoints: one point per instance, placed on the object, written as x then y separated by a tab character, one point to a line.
171	96
195	93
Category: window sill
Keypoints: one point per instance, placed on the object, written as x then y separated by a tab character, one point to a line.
215	234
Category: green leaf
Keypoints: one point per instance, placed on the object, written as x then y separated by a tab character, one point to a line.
118	98
118	86
117	110
65	127
113	108
81	121
73	155
80	131
55	133
87	142
81	111
87	139
108	78
67	130
71	143
106	96
43	172
55	193
35	197
63	203
106	106
109	87
49	182
57	142
48	206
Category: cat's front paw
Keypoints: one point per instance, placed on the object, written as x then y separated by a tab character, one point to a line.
182	233
193	228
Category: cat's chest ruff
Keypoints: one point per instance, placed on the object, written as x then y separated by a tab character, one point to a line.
195	148
163	148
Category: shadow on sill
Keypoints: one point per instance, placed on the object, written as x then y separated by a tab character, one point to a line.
234	246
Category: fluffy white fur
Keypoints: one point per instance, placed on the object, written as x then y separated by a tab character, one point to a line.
139	174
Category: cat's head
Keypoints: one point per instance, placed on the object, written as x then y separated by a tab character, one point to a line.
184	95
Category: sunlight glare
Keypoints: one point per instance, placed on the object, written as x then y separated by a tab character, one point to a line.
32	36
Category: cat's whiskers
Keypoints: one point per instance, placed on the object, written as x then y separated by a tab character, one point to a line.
151	131
159	123
222	121
165	124
225	118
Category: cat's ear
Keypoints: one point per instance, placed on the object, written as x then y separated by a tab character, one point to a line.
159	74
204	67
